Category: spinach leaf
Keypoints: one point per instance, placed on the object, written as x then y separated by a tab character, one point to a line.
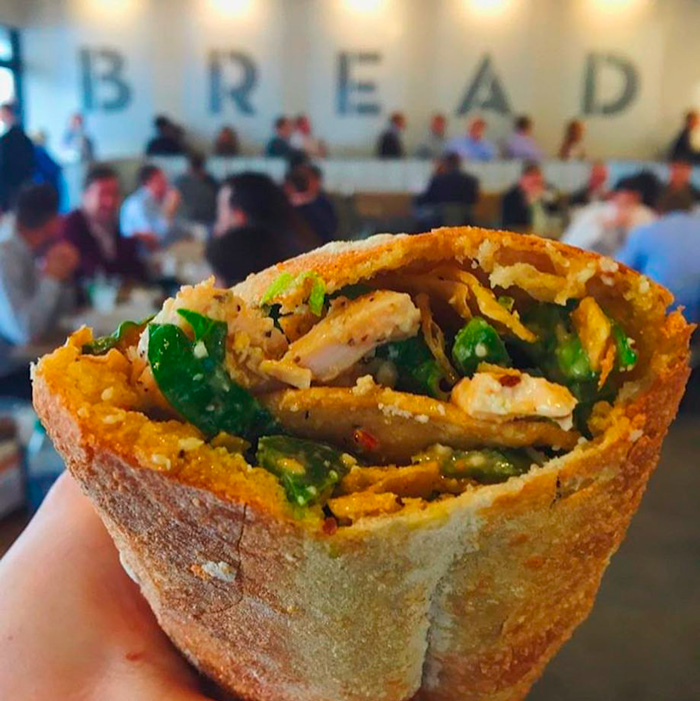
197	385
478	342
307	470
127	334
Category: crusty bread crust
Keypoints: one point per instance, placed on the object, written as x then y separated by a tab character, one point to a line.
467	599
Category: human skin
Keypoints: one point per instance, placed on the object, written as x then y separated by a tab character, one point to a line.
72	624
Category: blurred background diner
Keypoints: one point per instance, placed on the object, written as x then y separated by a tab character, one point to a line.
134	160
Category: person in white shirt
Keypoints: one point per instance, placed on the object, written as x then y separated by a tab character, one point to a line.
434	144
603	227
304	140
77	143
36	271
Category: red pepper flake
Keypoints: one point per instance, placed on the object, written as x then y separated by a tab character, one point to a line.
330	526
365	439
509	380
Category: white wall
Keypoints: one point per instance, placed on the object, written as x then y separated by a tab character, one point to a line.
430	50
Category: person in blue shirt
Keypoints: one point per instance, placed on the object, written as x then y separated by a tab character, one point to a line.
473	146
668	251
150	214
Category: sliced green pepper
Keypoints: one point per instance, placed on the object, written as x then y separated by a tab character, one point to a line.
191	376
626	357
307	470
487	466
478	342
127	334
418	371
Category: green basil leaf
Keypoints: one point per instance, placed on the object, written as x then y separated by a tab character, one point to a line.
126	334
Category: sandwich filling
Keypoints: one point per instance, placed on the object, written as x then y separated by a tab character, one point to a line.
376	397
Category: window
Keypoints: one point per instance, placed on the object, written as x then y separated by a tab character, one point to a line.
10	67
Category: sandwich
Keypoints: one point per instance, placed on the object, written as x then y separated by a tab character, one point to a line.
387	469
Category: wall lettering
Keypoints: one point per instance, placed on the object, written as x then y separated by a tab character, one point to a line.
596	63
221	65
104	86
485	92
348	87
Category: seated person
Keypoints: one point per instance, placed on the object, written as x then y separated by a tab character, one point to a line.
168	139
595	190
304	188
521	143
304	141
150	214
572	146
197	190
36	271
667	251
280	146
603	227
226	142
528	205
448	186
256	227
680	194
473	146
434	144
390	142
93	229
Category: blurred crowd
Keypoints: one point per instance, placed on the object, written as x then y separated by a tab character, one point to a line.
49	262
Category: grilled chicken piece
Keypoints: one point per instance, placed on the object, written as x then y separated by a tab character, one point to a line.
351	329
501	394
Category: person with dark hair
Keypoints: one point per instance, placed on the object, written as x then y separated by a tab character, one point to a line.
150	213
390	142
93	228
304	187
521	143
603	227
473	146
168	138
595	190
572	147
684	146
279	146
17	158
226	142
526	201
256	227
197	190
36	270
449	187
679	195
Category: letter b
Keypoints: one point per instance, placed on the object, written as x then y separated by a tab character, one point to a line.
103	83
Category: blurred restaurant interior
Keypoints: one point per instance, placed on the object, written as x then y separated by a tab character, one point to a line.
148	144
